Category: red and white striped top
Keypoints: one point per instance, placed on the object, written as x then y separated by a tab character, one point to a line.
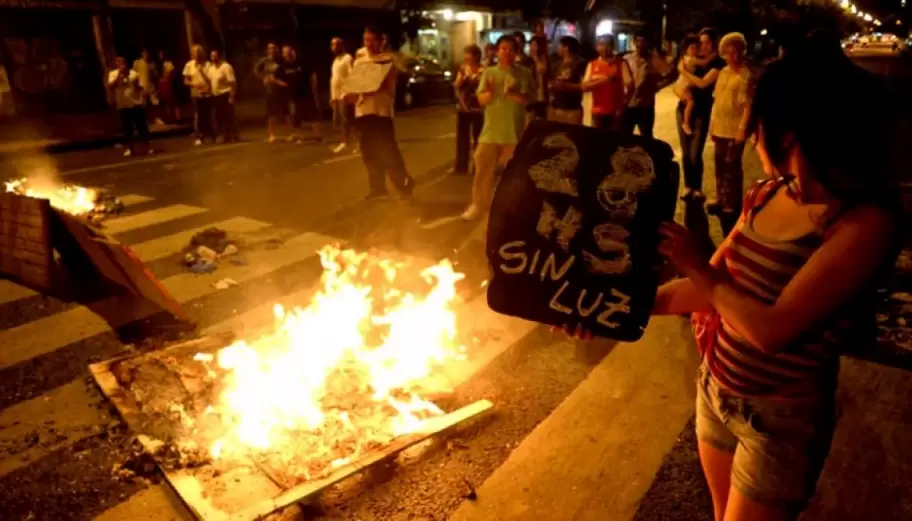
762	267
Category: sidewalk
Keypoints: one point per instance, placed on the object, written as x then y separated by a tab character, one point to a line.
62	133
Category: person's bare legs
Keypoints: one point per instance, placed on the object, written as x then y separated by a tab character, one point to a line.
271	128
717	467
688	113
743	508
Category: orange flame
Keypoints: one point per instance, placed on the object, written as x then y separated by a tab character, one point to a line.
343	374
76	200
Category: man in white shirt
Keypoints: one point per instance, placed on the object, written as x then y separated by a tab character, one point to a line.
224	87
374	121
148	80
197	80
343	113
123	83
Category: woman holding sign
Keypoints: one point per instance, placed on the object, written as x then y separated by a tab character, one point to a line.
791	287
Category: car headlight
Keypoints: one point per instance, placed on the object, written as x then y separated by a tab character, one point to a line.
412	80
447	74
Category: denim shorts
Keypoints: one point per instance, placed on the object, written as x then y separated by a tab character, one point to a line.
779	446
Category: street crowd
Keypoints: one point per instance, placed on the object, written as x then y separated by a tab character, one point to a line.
504	87
787	292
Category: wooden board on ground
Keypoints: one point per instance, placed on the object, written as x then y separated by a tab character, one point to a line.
245	493
113	260
26	254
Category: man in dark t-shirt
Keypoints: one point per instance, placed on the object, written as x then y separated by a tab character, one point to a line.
276	100
566	86
301	82
692	144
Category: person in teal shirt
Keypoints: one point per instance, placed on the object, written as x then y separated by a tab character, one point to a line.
503	92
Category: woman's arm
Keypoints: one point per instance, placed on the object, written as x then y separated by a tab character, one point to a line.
853	252
703	82
681	296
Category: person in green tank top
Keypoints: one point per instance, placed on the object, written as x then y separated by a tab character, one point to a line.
503	92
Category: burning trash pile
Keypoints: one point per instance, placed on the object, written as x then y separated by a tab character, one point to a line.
333	381
207	248
74	200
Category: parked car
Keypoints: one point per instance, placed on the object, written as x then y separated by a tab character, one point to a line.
423	82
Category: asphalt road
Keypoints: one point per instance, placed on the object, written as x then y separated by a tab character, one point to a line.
580	430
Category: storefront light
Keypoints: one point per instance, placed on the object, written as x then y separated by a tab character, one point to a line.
604	28
447	14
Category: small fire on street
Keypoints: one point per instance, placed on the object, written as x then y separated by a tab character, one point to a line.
72	199
335	386
337	378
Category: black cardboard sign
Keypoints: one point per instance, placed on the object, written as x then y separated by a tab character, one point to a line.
573	232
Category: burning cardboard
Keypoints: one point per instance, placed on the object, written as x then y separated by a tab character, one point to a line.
339	384
75	200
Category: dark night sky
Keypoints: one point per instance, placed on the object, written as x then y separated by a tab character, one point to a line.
881	8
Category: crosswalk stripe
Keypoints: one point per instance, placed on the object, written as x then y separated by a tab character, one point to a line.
134	199
35	338
143	219
74	410
11	292
164	246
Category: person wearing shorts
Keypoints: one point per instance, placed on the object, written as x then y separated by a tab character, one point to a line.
276	89
343	113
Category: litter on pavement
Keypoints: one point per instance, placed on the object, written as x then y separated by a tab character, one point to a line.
209	247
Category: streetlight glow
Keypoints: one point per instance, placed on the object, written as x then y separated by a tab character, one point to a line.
763	32
853	9
845	4
447	14
868	18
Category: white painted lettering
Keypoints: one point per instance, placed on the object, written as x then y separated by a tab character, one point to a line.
583	310
549	268
566	227
612	308
507	255
557	306
534	263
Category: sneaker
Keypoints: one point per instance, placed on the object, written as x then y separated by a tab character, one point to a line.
150	151
699	196
158	121
408	189
270	139
298	142
377	196
688	195
339	148
128	153
472	213
198	142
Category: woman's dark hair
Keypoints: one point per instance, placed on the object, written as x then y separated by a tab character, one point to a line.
571	43
508	38
710	33
542	43
519	35
817	99
688	41
474	50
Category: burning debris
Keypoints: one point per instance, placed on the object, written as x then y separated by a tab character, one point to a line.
335	381
209	247
74	200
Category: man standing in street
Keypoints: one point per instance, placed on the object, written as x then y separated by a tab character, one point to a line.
649	71
128	99
224	88
343	115
566	90
503	92
197	80
148	80
374	122
301	83
276	89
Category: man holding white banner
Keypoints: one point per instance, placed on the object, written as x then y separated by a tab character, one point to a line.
371	87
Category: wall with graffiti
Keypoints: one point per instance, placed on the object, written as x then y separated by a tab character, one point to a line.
50	62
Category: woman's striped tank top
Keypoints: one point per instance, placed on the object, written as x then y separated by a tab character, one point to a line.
762	267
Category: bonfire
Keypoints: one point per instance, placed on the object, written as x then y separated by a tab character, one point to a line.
72	199
346	374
